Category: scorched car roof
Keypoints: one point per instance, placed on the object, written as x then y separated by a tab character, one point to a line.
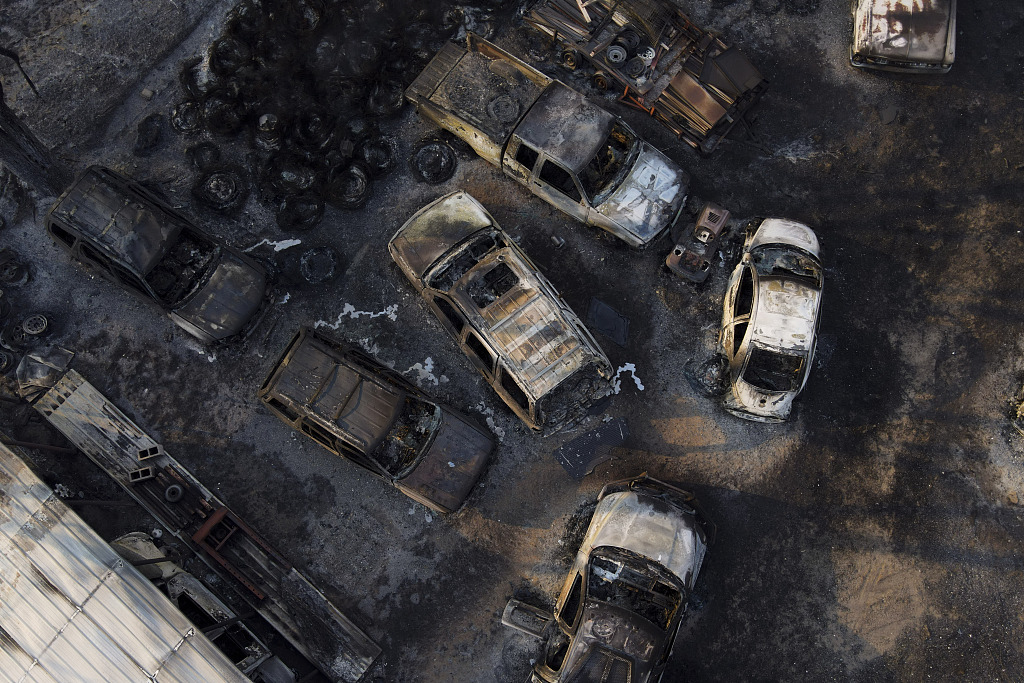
567	126
105	207
315	376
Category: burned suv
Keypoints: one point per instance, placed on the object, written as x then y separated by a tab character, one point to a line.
129	236
504	314
363	411
621	605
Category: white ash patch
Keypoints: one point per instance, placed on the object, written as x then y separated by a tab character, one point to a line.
350	311
369	346
278	246
286	298
193	345
488	414
617	383
424	371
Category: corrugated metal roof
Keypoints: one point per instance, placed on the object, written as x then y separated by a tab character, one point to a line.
71	609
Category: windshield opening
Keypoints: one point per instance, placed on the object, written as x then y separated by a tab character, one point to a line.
773	371
182	269
784	261
408	436
605	171
633	586
469	254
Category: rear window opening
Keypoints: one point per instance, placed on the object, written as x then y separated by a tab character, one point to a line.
774	371
784	261
408	437
470	254
494	284
626	584
182	268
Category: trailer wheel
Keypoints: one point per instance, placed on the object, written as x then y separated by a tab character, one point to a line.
570	59
600	80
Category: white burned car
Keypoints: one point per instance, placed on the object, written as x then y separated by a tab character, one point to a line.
770	319
904	35
621	606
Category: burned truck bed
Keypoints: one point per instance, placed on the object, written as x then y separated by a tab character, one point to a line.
203	523
686	77
480	94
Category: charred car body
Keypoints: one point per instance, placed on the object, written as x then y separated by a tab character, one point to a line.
363	411
682	75
904	35
770	319
506	316
691	258
568	151
620	608
129	236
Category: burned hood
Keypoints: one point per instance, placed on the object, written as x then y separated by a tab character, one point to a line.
615	640
453	463
917	31
435	229
650	528
649	197
227	300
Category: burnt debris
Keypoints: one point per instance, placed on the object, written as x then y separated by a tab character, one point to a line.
306	86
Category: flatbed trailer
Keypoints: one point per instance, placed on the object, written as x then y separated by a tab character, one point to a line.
205	525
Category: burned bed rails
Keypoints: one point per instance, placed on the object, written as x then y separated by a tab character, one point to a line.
665	65
202	522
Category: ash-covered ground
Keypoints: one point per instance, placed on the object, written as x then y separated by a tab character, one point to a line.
876	536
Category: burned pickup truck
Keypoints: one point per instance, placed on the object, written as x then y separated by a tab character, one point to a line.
568	151
665	65
128	235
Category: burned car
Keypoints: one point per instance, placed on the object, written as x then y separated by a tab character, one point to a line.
620	608
129	236
565	149
506	316
904	35
663	63
363	411
770	319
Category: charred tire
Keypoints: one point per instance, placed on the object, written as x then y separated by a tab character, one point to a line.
599	80
629	38
319	265
187	117
385	99
300	212
223	189
228	55
380	154
635	67
570	59
174	493
350	188
433	161
616	54
35	324
6	361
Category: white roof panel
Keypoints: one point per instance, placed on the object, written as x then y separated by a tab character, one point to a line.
72	610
